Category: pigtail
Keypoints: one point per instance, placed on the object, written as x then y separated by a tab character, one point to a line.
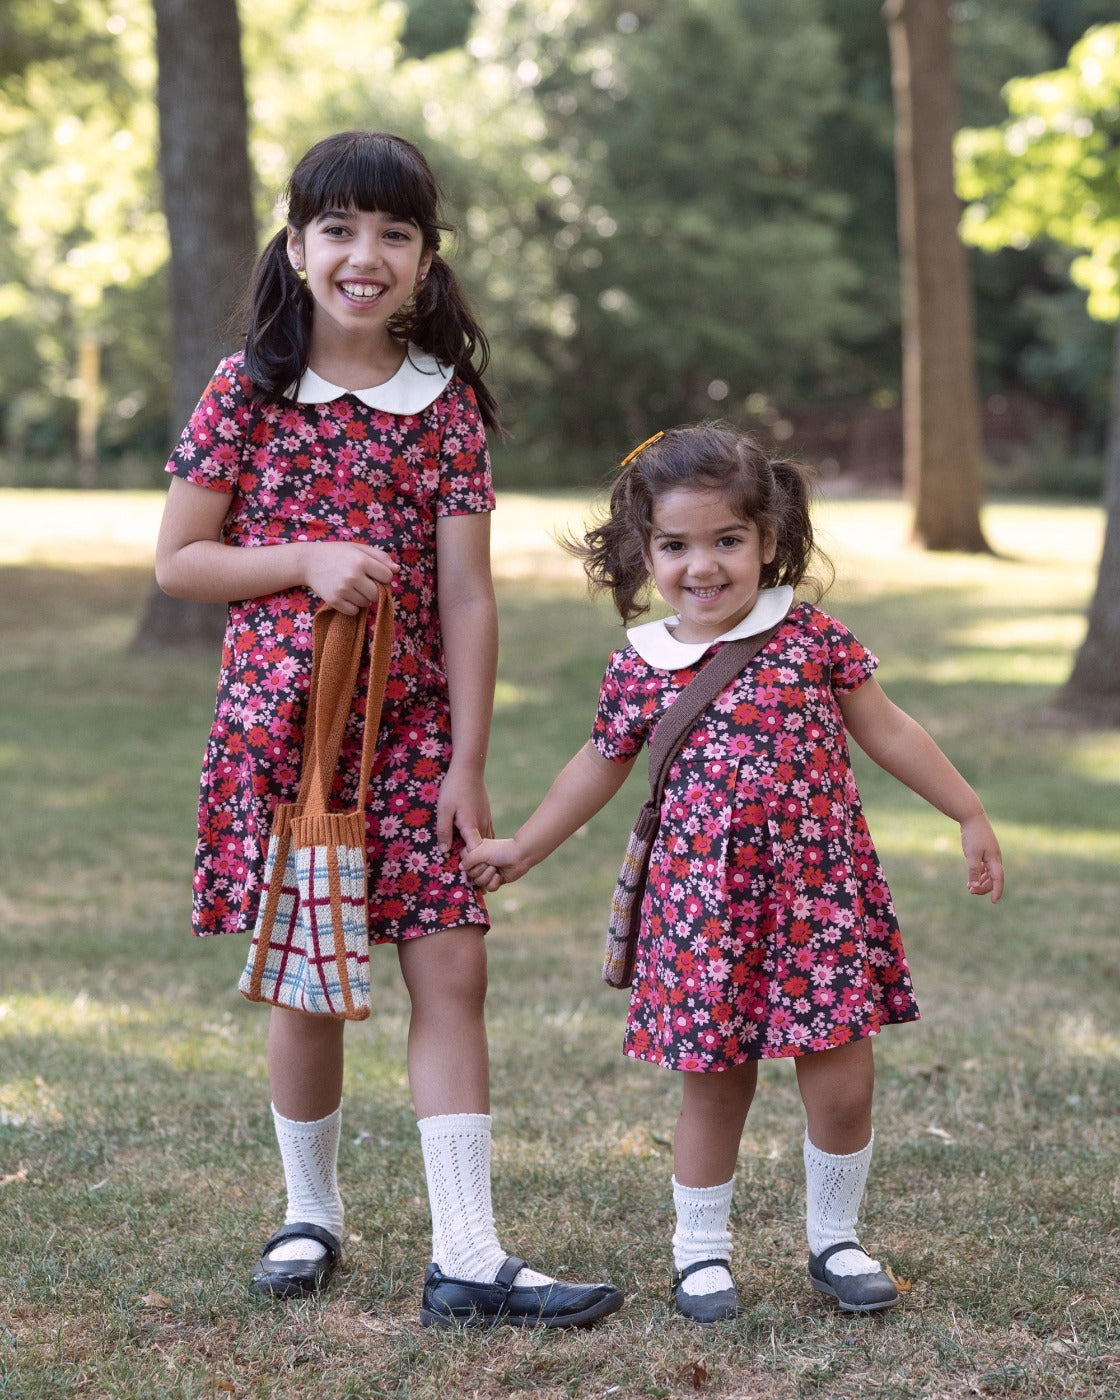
278	321
441	322
614	553
790	517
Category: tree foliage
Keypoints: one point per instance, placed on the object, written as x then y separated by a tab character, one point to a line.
669	209
1052	169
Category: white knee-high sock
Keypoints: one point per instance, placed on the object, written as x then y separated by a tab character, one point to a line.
834	1186
309	1152
465	1244
703	1232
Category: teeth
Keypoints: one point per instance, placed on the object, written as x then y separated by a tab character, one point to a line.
362	290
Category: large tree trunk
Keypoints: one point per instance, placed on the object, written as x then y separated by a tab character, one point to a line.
941	416
207	195
1092	693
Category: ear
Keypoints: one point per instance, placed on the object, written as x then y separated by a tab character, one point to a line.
295	248
425	266
769	546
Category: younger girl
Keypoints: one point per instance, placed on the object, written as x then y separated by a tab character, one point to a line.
767	926
343	447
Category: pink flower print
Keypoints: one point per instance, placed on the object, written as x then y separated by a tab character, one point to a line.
691	1062
681	1022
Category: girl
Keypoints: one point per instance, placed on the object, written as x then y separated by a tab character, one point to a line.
345	446
767	925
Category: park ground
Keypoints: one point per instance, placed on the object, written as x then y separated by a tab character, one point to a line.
138	1175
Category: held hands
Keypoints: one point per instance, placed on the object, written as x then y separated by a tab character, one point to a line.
346	574
981	850
491	864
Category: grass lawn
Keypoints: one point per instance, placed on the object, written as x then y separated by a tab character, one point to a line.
138	1173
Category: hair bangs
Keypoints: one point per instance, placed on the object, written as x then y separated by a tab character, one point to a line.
367	171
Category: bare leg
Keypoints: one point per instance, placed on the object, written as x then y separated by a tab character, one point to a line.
304	1064
837	1087
714	1109
448	1057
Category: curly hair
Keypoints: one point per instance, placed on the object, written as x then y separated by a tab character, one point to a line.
773	492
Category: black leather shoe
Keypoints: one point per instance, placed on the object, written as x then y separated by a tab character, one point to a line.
854	1292
705	1308
452	1302
295	1278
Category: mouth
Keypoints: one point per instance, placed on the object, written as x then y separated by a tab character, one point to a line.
705	595
364	292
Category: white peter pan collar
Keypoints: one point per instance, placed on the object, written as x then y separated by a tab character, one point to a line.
418	383
654	641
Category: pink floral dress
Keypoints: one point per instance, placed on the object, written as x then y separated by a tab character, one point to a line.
767	925
335	466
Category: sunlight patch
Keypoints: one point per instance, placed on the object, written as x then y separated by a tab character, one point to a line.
1081	1036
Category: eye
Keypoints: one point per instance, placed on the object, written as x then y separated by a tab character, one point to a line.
729	541
671	546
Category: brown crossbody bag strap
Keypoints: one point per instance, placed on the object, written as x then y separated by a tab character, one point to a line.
678	720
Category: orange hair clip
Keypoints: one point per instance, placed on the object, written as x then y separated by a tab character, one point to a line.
641	447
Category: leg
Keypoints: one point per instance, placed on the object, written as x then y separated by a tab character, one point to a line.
305	1075
706	1146
448	1058
471	1278
837	1088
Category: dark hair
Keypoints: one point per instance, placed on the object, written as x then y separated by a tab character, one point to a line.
772	492
371	171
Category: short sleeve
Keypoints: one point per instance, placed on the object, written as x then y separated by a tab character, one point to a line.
850	663
466	485
628	707
209	451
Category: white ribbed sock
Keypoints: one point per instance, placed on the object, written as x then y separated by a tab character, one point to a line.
834	1186
310	1155
703	1232
465	1245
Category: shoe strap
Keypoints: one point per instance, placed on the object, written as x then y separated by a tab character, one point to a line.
826	1254
679	1275
304	1230
508	1272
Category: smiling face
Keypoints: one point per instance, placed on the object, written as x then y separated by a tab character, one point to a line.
361	269
706	562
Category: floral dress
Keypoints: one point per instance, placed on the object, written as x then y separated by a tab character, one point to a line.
767	925
378	467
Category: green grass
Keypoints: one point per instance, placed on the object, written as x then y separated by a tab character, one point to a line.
137	1169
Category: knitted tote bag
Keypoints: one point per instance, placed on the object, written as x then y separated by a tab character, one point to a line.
310	949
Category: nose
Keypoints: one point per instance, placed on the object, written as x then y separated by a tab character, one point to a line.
364	251
702	564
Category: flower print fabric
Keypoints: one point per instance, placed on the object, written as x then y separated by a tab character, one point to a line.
767	925
337	470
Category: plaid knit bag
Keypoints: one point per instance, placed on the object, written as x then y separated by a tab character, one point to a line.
671	731
310	948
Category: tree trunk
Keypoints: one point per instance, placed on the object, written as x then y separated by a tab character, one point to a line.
1092	694
207	196
942	450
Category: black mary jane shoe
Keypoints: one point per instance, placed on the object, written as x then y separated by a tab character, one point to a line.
296	1278
855	1293
452	1302
705	1308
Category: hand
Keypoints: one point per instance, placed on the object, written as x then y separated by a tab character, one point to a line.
462	806
491	864
345	574
981	850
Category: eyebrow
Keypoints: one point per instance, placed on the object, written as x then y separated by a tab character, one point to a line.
733	529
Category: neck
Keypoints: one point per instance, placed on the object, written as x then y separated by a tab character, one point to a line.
356	366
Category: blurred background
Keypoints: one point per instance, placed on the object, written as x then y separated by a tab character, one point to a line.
668	210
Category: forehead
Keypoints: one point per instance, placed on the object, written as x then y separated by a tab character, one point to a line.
688	509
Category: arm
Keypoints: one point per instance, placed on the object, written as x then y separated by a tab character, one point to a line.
193	562
585	786
899	744
468	618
